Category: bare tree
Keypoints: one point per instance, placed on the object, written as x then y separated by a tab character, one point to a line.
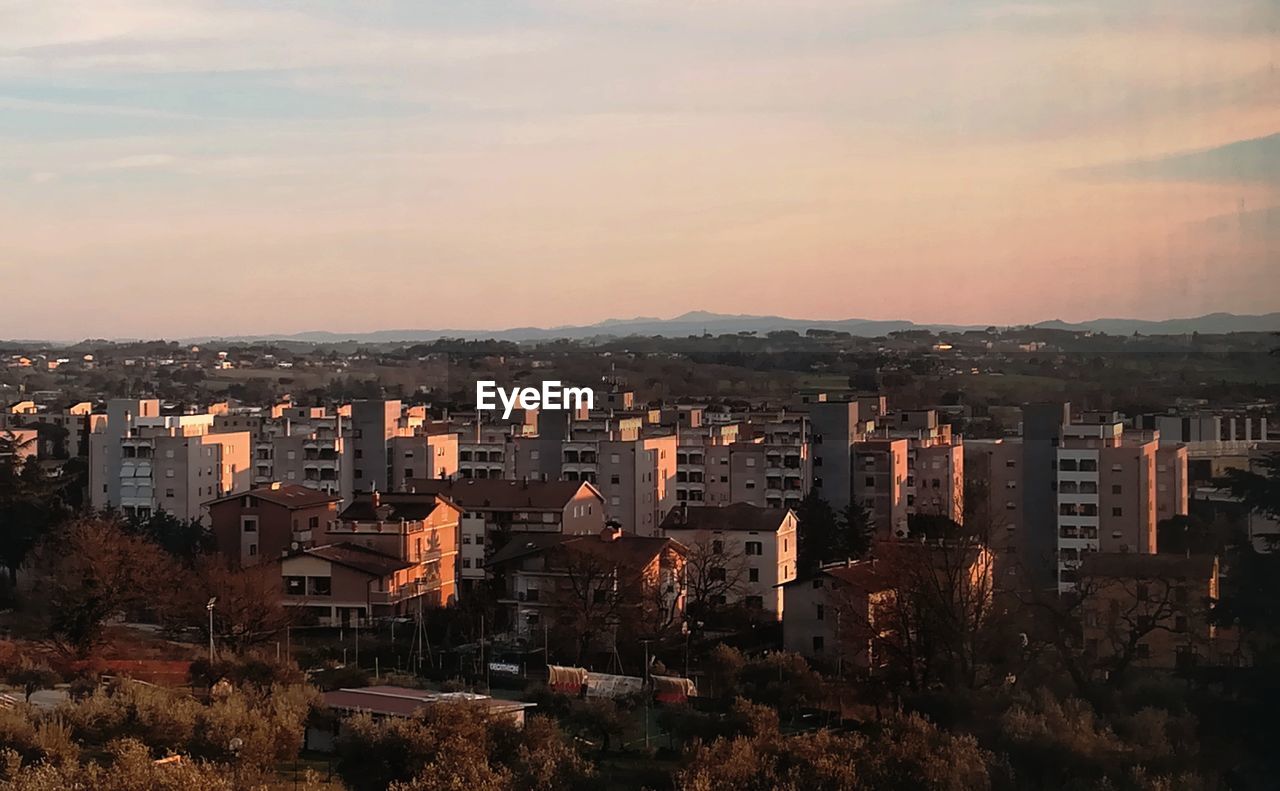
715	575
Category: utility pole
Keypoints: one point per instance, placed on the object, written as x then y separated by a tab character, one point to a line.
209	607
648	692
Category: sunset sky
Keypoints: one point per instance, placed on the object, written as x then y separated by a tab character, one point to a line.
178	168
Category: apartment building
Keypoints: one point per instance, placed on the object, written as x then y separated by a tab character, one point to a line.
935	462
71	427
142	462
835	427
879	482
493	509
602	586
994	472
267	522
385	554
833	617
763	540
431	456
1157	606
857	613
1106	492
634	474
373	425
295	445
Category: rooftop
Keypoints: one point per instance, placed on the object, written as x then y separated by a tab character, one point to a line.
360	558
506	495
288	495
736	516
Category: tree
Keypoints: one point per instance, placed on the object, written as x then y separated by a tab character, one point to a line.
457	746
714	576
905	752
250	608
184	539
826	536
91	571
30	506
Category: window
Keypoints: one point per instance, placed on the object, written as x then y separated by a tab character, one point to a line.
319	586
870	481
755	548
253	550
751	484
753	575
615	479
755	602
1117	511
168	493
820	613
466	563
717	574
249	524
466	538
294	586
817	643
1117	489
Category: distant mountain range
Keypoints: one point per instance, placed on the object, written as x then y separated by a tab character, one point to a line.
699	322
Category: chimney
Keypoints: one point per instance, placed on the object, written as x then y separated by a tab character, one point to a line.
612	531
376	498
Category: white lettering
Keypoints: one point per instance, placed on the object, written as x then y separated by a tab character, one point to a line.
552	395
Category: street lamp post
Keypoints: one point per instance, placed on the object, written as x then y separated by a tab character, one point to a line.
209	607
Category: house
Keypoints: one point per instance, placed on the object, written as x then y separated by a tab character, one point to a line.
833	615
269	521
590	586
417	527
762	541
345	584
493	507
871	612
1151	610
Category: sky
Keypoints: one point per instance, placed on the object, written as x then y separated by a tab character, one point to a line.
177	168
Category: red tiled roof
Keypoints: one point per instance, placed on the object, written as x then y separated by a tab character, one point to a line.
360	558
506	495
291	496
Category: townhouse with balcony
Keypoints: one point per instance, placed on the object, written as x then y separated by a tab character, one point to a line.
386	554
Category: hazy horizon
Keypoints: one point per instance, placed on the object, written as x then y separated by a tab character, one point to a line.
186	168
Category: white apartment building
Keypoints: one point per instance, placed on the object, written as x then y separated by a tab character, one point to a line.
763	539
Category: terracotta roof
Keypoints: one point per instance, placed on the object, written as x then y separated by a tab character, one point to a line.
735	516
1133	565
362	559
290	496
505	495
392	507
627	549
